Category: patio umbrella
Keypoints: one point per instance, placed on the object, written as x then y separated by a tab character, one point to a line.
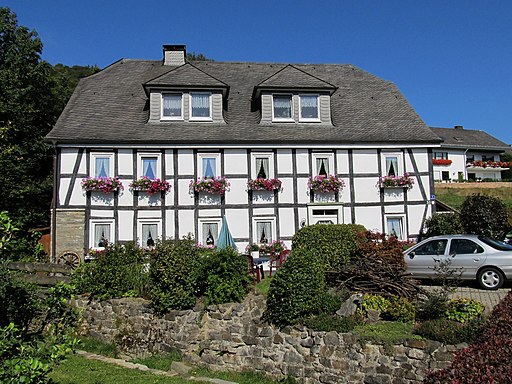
225	239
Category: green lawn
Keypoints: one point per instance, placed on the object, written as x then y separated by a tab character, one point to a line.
453	196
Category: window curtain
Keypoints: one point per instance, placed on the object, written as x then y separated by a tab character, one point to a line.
172	105
210	233
264	232
209	167
309	107
201	105
149	167
282	107
149	234
262	168
102	166
322	166
395	228
101	235
391	166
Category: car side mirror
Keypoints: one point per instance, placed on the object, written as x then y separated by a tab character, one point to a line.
453	254
412	254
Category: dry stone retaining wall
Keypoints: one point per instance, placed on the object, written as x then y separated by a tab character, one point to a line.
232	337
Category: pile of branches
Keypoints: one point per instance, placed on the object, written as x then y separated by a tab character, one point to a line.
378	268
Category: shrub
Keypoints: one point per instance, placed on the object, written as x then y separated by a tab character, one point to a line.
463	310
119	271
449	331
333	244
328	323
227	279
483	215
443	224
380	248
393	308
295	289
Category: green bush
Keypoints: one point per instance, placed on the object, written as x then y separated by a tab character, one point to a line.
295	289
450	332
463	310
328	323
118	271
176	274
226	276
333	244
483	215
443	224
393	308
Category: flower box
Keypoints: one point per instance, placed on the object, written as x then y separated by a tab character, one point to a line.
326	184
260	184
490	164
102	184
150	186
404	181
215	185
441	161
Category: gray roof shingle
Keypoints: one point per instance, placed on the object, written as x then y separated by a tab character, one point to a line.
112	107
460	137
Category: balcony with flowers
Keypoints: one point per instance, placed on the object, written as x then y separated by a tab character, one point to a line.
151	186
489	165
105	185
211	185
326	184
261	184
441	161
406	182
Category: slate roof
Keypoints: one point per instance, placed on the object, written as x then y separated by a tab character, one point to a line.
111	107
469	139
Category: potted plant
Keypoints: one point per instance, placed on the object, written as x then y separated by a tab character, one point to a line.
404	181
253	249
102	184
441	161
150	186
215	185
326	184
261	184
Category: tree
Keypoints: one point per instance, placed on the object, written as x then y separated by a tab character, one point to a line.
443	224
483	215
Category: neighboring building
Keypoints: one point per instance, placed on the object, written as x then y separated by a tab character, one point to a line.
181	121
467	155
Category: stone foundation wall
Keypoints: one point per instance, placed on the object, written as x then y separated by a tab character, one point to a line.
69	232
232	337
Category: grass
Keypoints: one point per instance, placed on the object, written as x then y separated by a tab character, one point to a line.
264	285
454	196
98	347
386	331
162	363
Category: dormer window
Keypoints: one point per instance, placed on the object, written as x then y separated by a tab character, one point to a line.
200	106
308	108
282	107
172	106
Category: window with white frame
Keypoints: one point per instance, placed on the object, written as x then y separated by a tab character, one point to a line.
264	230
209	231
308	108
262	166
392	165
441	155
323	164
102	164
395	227
282	107
209	165
200	106
149	165
101	233
172	106
149	231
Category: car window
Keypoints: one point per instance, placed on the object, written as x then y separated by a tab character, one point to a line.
499	245
464	246
433	247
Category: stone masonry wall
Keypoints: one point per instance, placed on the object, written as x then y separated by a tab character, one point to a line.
232	337
69	231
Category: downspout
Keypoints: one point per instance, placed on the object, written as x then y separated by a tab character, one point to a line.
53	257
465	164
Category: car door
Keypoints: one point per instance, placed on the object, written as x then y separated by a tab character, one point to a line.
466	257
422	260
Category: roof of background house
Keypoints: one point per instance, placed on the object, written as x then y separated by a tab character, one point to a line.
112	106
459	137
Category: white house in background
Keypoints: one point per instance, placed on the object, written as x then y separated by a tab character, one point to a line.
463	153
181	121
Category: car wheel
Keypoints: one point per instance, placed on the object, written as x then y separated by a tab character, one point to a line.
490	278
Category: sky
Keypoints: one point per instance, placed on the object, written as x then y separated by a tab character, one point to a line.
452	59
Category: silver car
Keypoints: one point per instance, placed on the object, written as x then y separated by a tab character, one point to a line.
479	258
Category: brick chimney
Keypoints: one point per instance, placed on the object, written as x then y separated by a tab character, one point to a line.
458	127
175	54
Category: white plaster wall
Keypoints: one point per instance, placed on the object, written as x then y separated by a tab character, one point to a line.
104	214
235	161
284	161
263	211
238	220
303	215
393	195
370	217
209	199
286	222
344	195
169	223
286	195
78	194
169	162
125	162
63	189
149	214
263	197
342	161
125	225
394	209
302	161
125	197
365	161
186	219
302	190
185	162
415	217
184	197
209	213
68	159
421	158
144	199
347	215
237	193
366	190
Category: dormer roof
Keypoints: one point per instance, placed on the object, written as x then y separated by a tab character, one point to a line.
291	78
